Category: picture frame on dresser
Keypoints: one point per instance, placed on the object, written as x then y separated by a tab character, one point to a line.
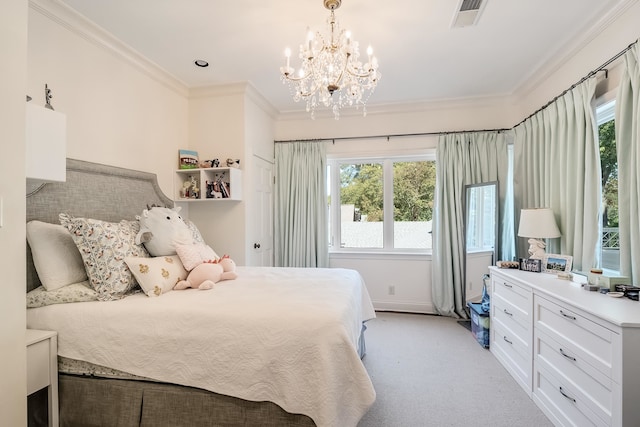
555	263
531	264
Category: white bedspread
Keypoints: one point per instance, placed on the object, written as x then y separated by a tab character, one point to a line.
283	335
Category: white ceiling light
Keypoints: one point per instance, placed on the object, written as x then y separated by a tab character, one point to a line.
331	73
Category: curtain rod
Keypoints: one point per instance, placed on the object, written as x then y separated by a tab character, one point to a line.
588	76
388	137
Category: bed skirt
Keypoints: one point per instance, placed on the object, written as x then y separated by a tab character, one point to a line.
87	402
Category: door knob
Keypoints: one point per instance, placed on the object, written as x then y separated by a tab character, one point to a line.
256	246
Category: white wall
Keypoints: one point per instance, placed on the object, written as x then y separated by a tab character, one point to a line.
13	69
120	110
216	130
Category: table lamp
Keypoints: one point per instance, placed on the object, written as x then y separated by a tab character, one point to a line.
537	224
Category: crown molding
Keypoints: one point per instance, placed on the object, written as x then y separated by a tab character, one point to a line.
234	89
406	107
73	21
565	53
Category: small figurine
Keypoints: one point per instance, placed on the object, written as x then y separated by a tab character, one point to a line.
47	97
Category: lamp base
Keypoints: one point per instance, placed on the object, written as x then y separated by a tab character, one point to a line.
536	248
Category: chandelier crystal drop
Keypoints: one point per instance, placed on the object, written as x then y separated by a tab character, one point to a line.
331	73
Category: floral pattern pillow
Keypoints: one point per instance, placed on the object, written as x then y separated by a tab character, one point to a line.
75	292
158	275
103	246
197	237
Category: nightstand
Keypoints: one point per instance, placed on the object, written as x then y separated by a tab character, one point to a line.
42	368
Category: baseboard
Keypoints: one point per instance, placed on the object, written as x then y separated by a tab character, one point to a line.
405	307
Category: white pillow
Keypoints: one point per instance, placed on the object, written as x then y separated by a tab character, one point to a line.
194	255
55	255
158	275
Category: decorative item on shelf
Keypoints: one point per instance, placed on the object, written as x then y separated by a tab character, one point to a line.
553	263
233	163
187	159
47	97
213	190
214	163
190	188
331	73
537	223
531	264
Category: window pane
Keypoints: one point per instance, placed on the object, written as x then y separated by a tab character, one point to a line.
481	221
361	210
413	190
609	169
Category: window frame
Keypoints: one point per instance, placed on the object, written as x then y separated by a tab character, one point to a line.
387	161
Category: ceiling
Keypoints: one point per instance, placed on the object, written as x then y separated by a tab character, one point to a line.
422	58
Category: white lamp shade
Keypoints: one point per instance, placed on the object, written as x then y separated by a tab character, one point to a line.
538	223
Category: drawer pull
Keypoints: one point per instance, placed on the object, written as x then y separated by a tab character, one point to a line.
510	342
567	356
507	285
568	316
507	313
567	396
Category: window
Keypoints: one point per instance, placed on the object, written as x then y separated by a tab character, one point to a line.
381	204
605	116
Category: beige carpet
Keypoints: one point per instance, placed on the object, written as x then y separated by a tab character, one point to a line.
430	371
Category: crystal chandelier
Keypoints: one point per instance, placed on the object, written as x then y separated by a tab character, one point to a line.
331	73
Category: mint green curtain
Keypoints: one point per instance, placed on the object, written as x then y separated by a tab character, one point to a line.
462	159
557	166
628	147
300	231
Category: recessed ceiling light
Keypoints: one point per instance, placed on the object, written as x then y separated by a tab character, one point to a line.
201	63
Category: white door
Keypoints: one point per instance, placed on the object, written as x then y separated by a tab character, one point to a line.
262	218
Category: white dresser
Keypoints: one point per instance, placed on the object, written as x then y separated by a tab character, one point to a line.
576	353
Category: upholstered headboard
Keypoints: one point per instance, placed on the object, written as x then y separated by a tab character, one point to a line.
92	190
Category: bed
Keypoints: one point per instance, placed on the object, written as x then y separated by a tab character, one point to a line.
274	347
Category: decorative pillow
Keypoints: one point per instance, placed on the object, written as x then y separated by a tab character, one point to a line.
194	255
55	255
158	275
103	246
75	292
197	237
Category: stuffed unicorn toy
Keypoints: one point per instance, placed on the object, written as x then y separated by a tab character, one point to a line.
161	229
204	275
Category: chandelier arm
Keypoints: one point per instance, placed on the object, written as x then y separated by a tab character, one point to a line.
311	91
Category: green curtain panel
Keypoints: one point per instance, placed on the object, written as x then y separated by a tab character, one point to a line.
301	235
628	147
557	166
462	159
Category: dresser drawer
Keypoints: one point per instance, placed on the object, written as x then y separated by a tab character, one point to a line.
561	402
516	294
592	386
588	340
513	353
517	320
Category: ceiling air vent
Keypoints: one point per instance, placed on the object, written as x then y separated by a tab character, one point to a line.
468	13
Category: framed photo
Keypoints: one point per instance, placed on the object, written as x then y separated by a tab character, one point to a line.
530	264
554	263
187	159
